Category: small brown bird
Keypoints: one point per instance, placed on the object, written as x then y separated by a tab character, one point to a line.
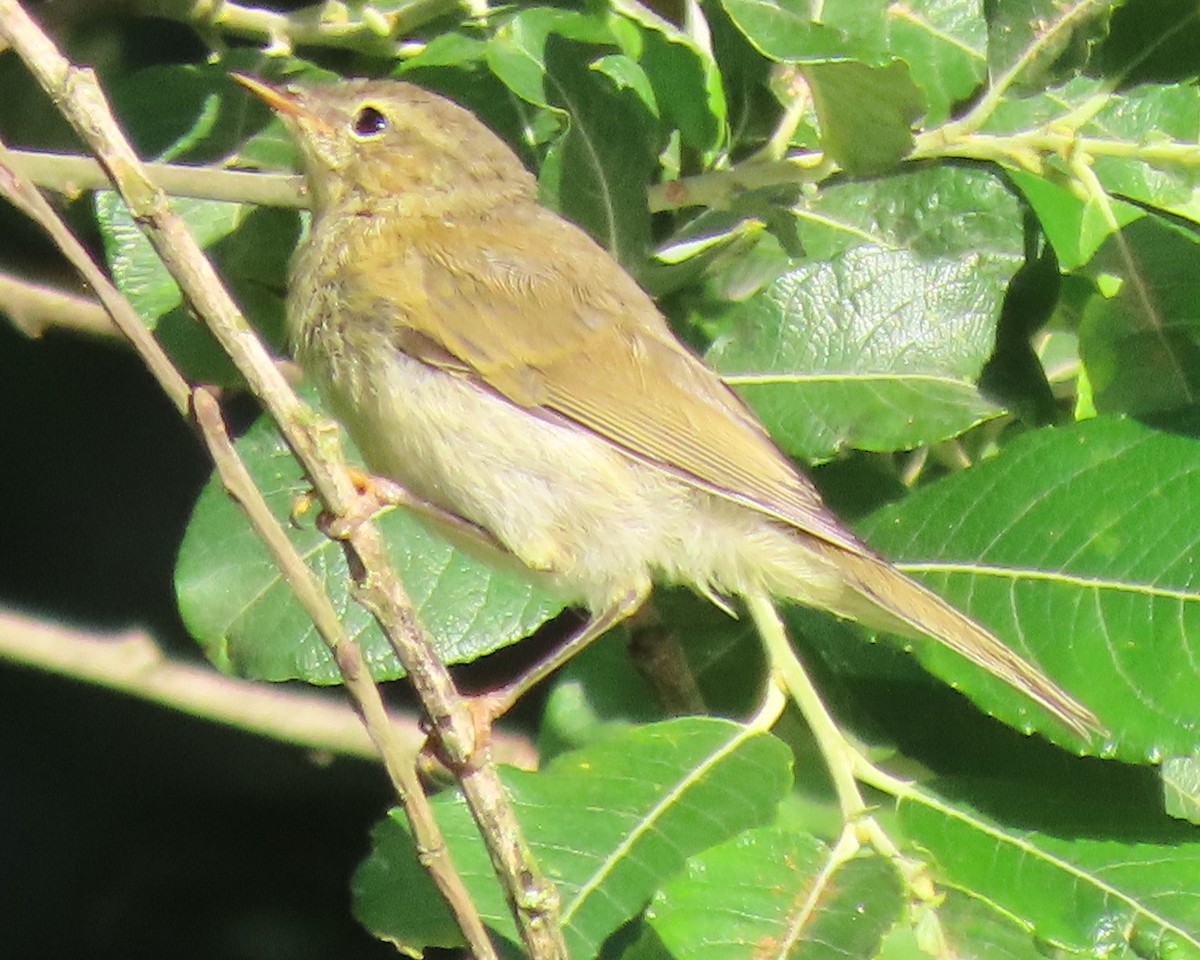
487	355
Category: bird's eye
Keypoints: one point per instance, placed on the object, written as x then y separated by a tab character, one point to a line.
369	122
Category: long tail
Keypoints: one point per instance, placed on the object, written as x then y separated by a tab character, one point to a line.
890	592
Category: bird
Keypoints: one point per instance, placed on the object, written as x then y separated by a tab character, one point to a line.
490	357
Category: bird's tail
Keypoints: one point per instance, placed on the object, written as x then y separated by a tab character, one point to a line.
915	608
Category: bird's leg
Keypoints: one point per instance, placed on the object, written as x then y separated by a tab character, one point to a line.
489	706
791	675
846	763
378	493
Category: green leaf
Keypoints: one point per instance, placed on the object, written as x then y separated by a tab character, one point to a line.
1075	546
684	74
1047	37
1076	227
238	607
960	925
778	888
944	43
448	50
1140	144
516	52
878	350
138	272
627	74
1181	787
605	159
930	211
801	31
866	113
1139	335
1076	889
1164	123
609	824
250	247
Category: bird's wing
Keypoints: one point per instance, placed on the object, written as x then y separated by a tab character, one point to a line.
526	321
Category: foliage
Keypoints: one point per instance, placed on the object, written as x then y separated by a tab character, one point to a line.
946	250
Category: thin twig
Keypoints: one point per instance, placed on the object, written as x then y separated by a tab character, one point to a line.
33	308
132	663
397	760
364	28
532	899
71	174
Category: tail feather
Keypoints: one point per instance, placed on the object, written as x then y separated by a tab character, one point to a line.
918	609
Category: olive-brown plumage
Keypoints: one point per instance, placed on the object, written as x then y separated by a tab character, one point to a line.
489	356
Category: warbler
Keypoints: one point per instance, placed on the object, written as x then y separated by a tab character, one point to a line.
490	357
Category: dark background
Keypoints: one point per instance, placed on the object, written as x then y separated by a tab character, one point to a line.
125	828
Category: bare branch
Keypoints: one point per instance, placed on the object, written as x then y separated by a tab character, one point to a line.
33	307
131	663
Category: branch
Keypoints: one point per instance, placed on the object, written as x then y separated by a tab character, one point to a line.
69	174
357	677
532	899
132	663
363	28
33	308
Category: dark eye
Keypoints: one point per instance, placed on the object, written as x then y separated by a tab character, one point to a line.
369	122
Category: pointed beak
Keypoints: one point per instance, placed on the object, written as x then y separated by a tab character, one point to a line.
278	99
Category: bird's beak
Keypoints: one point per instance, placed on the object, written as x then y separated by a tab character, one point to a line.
278	99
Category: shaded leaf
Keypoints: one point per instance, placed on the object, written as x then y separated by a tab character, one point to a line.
1152	41
776	893
605	159
684	74
1076	890
866	113
1139	335
609	824
183	112
1047	37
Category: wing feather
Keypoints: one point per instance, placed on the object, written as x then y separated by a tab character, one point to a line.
524	322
